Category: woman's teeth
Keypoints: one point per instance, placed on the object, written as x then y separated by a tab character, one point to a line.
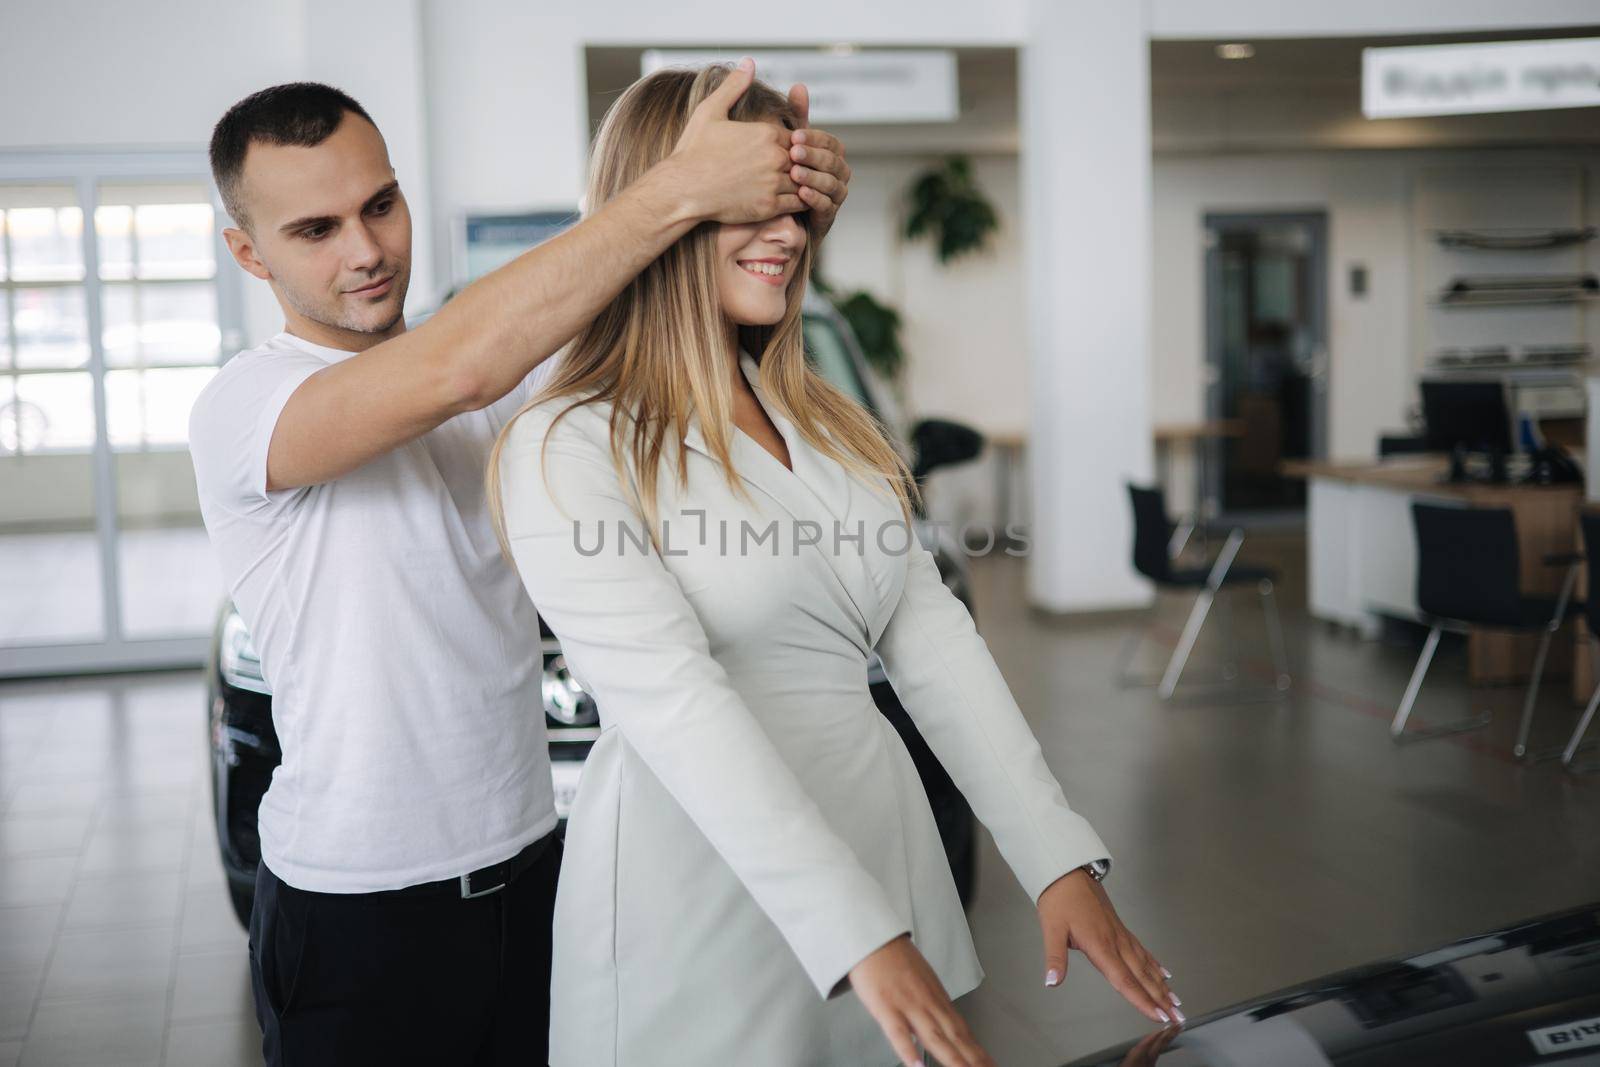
772	269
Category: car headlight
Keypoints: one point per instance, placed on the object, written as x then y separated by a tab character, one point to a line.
565	699
237	659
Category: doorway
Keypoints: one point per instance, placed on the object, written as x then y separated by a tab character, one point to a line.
1266	358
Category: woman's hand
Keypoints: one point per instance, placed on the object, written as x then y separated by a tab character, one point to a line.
906	999
819	168
1074	912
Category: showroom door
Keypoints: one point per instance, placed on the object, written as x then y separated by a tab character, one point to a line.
1266	358
114	316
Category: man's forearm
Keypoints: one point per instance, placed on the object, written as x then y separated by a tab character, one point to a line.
503	325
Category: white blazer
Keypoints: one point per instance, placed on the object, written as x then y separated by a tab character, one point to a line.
748	826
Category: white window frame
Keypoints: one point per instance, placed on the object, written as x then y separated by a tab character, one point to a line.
84	171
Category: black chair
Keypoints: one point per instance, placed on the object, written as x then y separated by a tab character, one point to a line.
1590	524
1400	445
1468	575
1155	548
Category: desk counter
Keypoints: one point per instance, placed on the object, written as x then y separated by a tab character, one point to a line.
1362	557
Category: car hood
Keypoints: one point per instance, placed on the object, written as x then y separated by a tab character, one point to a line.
1527	994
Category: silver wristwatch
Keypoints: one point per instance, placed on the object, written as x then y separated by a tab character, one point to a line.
1097	869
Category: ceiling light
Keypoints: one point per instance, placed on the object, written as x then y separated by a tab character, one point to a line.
1235	51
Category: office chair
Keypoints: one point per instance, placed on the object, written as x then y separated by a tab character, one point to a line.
1468	575
1590	524
1155	547
1393	444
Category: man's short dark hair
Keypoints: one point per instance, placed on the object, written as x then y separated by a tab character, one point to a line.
296	113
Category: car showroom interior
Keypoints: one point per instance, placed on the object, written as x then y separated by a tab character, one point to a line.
1238	356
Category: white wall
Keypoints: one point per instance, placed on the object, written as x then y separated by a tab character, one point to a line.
964	333
1365	197
1374	347
965	329
505	110
110	73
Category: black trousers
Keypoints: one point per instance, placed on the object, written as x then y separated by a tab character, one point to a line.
401	978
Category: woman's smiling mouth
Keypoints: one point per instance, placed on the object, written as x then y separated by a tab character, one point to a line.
771	271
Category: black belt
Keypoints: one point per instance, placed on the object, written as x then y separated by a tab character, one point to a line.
484	880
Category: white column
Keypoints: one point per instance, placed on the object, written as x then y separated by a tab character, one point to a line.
507	109
1085	117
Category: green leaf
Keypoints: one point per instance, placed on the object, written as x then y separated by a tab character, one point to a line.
947	204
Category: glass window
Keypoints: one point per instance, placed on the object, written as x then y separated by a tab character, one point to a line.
21	425
155	231
43	233
159	309
156	289
175	240
151	407
113	225
147	325
50	327
59	408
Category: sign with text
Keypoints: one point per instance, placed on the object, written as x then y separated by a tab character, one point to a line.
1580	1034
868	86
1463	79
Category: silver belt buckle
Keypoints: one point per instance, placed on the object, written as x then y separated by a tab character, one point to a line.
468	894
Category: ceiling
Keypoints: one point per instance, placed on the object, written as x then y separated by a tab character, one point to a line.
1293	94
1287	62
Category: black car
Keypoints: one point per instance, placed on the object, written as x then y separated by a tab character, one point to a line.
1526	994
244	745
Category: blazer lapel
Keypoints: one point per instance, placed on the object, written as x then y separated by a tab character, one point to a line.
817	490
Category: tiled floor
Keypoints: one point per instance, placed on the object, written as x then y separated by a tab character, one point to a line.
117	945
1255	845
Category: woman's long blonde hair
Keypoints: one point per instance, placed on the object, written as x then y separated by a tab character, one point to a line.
658	352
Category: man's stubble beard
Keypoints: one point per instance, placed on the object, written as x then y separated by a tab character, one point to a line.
326	317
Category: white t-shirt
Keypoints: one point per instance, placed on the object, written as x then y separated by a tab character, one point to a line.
402	651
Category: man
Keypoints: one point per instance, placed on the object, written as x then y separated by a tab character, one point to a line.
402	910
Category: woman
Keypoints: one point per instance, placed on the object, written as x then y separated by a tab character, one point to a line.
719	539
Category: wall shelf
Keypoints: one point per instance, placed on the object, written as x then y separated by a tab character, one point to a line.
1515	240
1501	290
1502	300
1514	367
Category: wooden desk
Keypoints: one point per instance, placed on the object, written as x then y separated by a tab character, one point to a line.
1195	436
1361	551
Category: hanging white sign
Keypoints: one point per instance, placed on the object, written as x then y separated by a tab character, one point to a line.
1461	79
847	86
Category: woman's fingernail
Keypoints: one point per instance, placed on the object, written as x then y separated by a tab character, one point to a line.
1166	974
1176	1003
1163	1016
1179	1014
1052	978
